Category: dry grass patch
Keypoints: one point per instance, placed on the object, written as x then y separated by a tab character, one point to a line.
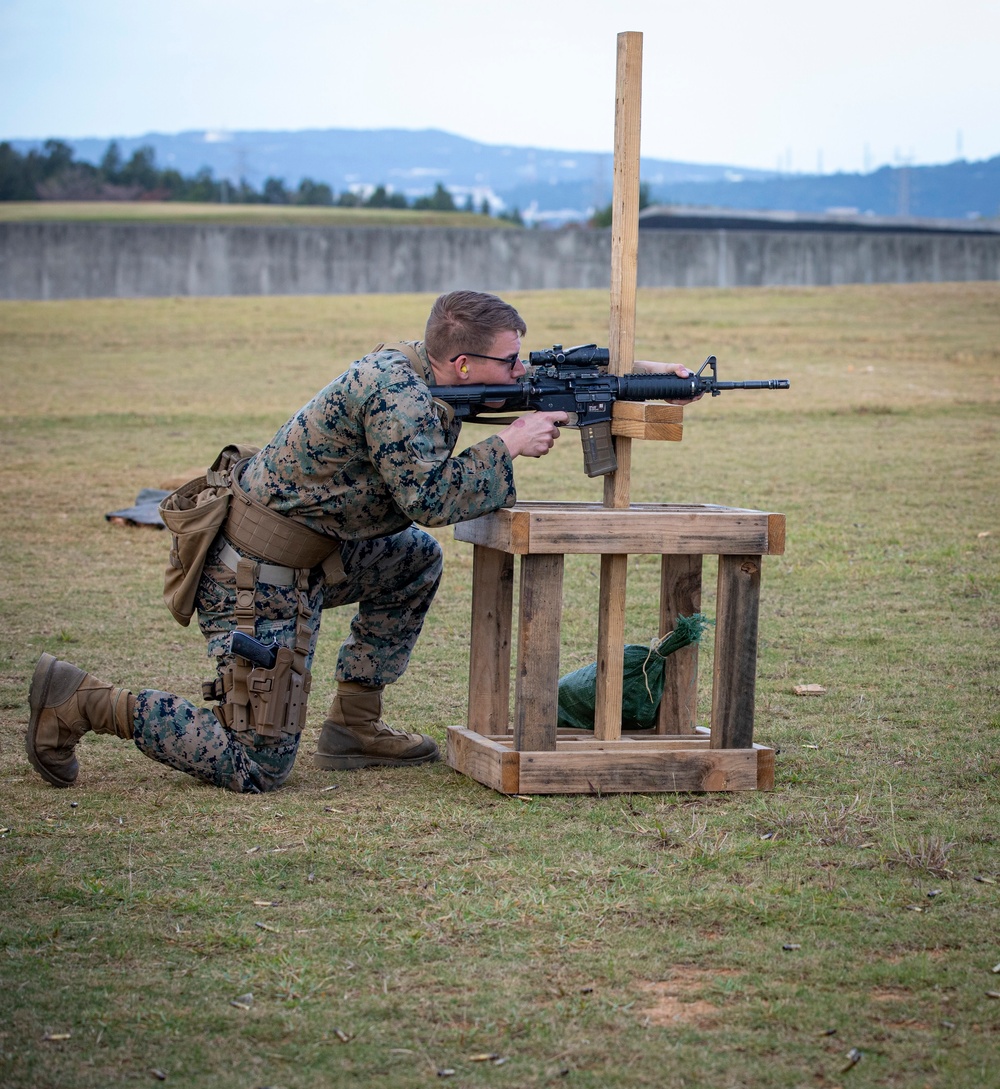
679	1000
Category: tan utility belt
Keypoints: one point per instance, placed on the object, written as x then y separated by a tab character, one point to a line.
270	573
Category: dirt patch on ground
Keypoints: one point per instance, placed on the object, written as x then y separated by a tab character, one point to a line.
672	1001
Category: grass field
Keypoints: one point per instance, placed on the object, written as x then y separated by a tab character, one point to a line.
287	215
402	928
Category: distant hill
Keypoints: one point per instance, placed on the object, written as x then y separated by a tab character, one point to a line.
544	184
564	184
959	190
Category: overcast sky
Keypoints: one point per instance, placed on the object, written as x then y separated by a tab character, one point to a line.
785	84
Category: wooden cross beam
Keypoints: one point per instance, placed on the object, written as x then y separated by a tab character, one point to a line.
621	343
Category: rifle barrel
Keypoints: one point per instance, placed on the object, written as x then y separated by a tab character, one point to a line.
767	383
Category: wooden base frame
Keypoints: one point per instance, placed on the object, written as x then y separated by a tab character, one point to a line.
635	763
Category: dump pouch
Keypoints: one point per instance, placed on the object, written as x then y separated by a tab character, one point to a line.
268	702
194	514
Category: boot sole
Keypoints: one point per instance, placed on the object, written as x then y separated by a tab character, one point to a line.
37	696
352	763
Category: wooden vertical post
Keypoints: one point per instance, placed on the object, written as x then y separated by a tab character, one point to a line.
680	595
621	343
536	687
734	677
489	653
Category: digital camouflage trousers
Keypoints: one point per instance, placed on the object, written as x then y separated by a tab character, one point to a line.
392	579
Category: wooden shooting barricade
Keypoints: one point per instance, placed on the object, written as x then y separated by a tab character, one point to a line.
529	755
526	753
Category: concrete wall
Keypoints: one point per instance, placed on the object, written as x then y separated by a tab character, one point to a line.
93	260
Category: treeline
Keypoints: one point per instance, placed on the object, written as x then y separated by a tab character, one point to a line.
54	174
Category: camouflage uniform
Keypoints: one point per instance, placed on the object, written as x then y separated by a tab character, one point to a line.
367	457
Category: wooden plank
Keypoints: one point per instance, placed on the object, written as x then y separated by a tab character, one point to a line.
621	353
642	532
644	528
734	676
653	743
490	647
680	595
765	768
624	242
485	761
776	534
625	205
649	743
536	688
649	431
647	412
568	738
610	641
666	766
636	772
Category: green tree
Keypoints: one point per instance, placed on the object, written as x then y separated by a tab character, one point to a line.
311	192
513	216
244	193
111	163
382	198
603	216
274	191
140	170
202	187
379	198
440	201
58	157
15	181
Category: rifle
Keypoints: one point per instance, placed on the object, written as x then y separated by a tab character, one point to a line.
572	380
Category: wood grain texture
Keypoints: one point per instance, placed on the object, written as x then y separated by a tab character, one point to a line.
642	528
490	647
536	691
610	641
636	771
489	763
621	355
734	677
680	595
646	764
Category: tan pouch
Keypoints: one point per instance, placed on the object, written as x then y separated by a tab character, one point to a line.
194	514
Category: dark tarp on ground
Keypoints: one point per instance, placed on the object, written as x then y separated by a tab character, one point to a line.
146	511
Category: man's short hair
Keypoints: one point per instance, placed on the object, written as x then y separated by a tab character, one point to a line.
468	322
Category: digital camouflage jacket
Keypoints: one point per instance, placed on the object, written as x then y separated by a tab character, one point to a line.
373	452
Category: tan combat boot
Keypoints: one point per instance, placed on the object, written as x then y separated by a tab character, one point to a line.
354	735
65	703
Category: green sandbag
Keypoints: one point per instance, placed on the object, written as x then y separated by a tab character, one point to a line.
642	687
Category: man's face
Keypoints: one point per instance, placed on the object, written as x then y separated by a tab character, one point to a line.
502	363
